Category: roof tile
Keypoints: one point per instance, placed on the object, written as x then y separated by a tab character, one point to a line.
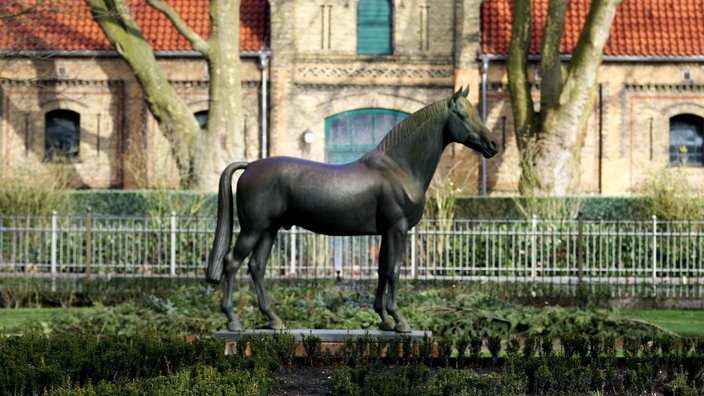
67	25
640	28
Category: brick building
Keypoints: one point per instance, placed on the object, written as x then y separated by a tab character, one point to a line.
326	80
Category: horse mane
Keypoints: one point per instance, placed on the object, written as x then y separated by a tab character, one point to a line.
404	129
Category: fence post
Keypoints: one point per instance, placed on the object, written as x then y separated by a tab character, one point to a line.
53	242
534	242
293	250
89	242
337	250
413	253
655	248
580	259
173	243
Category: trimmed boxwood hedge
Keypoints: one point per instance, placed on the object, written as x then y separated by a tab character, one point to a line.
593	208
77	364
65	363
137	203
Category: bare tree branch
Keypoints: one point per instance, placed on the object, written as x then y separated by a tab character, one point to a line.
24	11
198	43
550	65
582	71
519	86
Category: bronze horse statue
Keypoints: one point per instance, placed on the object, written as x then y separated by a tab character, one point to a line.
382	193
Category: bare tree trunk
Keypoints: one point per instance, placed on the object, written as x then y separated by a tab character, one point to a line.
225	130
198	153
175	119
551	148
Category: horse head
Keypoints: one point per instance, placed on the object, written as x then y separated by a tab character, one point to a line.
465	125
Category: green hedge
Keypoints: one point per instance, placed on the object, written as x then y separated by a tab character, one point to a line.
141	203
592	207
144	203
65	364
71	364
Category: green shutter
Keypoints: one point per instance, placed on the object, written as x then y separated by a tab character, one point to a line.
374	27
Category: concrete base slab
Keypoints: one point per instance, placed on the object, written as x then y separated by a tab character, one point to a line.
336	336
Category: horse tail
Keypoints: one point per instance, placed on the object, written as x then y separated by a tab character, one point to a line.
223	229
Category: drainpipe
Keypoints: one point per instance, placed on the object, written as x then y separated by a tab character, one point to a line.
264	59
485	69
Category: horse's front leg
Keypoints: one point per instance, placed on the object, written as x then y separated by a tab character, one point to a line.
395	250
379	306
257	268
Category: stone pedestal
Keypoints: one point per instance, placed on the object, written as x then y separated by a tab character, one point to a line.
330	339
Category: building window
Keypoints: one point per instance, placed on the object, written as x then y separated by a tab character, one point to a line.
351	134
202	118
686	140
62	135
374	27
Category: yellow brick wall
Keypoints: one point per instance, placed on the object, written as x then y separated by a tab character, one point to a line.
628	129
118	134
315	73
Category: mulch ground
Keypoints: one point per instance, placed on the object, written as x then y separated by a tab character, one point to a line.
301	380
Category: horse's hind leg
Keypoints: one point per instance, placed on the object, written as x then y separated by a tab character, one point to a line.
233	261
396	248
257	267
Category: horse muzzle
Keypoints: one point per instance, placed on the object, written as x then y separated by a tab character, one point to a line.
490	150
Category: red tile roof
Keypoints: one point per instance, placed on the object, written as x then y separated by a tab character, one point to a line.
67	25
647	28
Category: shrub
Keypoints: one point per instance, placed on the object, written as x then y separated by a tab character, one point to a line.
669	194
25	190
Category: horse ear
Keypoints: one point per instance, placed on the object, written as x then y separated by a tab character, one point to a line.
465	92
457	94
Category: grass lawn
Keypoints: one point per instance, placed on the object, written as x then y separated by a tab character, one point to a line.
684	323
12	318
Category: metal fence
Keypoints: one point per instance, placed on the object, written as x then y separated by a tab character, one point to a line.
628	254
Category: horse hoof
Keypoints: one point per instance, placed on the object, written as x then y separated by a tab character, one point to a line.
386	326
276	325
235	325
402	327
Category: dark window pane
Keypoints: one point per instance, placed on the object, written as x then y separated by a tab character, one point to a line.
351	134
61	134
686	140
362	133
383	124
340	132
202	118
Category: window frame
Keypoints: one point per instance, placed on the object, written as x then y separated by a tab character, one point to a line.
686	150
62	148
343	153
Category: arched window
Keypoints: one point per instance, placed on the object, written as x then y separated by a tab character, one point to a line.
202	118
374	27
62	135
686	140
350	134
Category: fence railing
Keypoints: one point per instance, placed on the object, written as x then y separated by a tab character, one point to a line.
629	254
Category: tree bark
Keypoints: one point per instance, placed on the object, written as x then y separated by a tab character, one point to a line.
551	150
223	141
225	127
197	152
173	115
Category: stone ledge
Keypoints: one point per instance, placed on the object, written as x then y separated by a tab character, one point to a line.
337	336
